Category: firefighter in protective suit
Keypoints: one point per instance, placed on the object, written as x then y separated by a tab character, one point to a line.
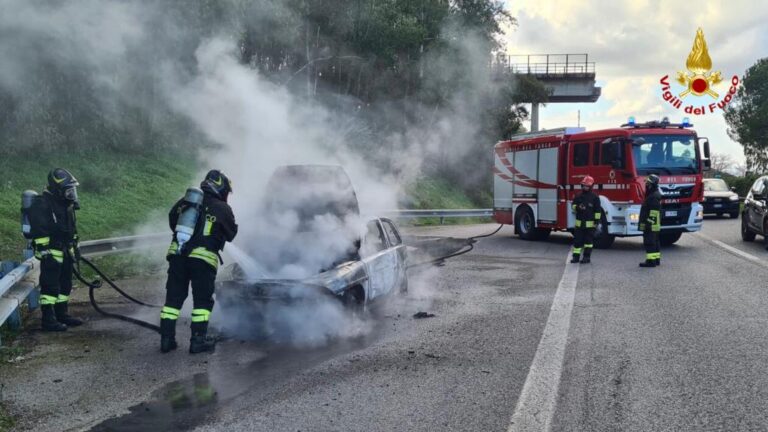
650	222
586	207
196	262
53	227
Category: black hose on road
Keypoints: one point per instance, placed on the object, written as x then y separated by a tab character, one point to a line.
470	246
97	284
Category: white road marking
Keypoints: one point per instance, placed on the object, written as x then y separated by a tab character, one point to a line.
536	405
746	255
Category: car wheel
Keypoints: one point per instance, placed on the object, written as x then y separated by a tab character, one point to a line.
765	233
668	239
354	301
734	215
746	234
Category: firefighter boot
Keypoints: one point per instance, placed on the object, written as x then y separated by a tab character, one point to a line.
50	324
575	258
64	317
648	263
586	259
199	341
167	335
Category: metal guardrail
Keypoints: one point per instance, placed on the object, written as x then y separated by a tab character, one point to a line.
16	287
97	248
20	283
441	213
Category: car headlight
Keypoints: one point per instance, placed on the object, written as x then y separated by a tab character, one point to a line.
734	198
634	217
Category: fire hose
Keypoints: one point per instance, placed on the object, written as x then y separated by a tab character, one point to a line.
97	283
466	249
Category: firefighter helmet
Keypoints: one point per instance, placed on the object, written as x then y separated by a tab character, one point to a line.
217	183
652	179
63	184
588	181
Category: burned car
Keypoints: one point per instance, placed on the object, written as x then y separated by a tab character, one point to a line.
311	244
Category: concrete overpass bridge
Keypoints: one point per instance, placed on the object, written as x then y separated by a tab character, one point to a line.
569	78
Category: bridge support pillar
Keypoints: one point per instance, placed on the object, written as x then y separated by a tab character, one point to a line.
534	117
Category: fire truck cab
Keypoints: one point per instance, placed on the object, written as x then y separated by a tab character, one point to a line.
537	175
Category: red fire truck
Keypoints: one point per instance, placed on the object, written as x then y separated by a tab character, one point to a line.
537	176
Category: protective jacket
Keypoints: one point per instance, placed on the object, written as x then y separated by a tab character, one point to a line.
53	226
650	212
586	207
215	226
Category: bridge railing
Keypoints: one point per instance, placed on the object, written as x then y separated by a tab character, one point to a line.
546	64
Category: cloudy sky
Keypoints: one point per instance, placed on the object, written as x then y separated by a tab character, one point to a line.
636	42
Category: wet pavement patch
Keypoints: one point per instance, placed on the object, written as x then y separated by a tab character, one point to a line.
193	401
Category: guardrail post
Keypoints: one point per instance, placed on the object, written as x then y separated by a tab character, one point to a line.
33	300
28	252
14	319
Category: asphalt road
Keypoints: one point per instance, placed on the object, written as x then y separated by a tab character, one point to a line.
680	347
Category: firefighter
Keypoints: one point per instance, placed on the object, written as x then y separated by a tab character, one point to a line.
650	222
586	207
196	262
53	228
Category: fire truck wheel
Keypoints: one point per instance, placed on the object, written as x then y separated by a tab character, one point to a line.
668	239
603	240
525	225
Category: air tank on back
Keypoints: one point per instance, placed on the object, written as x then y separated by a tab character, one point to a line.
185	226
27	198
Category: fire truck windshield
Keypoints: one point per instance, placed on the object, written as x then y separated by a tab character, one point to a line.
665	154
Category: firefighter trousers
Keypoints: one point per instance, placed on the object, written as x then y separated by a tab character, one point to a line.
652	245
181	272
582	241
55	279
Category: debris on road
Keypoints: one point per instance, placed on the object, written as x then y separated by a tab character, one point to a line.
420	315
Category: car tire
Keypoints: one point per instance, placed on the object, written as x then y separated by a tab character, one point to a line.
603	240
746	234
765	233
668	239
734	215
353	302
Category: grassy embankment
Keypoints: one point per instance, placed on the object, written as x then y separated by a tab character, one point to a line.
118	192
437	193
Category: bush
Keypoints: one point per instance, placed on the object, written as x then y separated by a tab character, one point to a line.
742	184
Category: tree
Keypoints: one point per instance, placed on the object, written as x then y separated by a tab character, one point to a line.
747	116
722	162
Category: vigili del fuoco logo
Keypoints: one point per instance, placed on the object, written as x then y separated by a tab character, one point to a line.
699	85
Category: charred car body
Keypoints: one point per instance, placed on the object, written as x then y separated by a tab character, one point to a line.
314	245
